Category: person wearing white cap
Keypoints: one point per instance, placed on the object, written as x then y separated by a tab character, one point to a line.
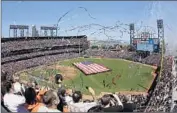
13	99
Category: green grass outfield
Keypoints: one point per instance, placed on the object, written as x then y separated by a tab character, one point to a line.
134	76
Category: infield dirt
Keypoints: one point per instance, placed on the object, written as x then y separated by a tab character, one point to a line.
67	71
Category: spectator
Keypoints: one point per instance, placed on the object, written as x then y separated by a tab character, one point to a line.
68	96
40	94
129	106
13	99
111	103
78	105
61	95
51	101
3	76
175	106
32	104
19	88
65	97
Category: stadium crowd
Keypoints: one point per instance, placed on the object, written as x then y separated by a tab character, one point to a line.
35	52
14	67
133	56
161	99
137	101
152	59
110	54
34	98
19	45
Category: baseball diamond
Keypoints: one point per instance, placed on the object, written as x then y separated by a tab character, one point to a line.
121	75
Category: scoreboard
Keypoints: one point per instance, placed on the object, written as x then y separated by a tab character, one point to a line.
146	44
145	47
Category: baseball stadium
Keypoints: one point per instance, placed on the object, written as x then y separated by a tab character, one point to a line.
52	73
105	71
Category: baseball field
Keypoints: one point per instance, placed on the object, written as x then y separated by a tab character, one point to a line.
124	75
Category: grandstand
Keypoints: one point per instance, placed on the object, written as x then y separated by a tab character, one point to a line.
23	49
22	53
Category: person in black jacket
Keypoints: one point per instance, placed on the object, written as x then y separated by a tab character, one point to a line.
61	94
129	107
58	79
111	103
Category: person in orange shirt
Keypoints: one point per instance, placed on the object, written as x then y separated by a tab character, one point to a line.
40	93
34	101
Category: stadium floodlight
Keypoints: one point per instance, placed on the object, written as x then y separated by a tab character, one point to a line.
160	23
131	26
132	36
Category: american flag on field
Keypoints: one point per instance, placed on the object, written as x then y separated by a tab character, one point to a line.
90	67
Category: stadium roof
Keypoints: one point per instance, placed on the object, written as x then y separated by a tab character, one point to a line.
40	38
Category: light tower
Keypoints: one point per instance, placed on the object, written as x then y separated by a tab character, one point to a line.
45	33
132	33
160	28
22	32
16	28
15	32
33	31
162	42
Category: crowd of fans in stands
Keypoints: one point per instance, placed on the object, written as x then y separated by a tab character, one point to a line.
133	56
14	67
37	54
111	54
15	63
33	98
152	59
18	45
162	95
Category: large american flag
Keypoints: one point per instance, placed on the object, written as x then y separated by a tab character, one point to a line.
90	67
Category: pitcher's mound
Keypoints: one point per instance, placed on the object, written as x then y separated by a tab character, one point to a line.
67	71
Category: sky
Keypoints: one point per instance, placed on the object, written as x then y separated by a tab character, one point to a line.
99	13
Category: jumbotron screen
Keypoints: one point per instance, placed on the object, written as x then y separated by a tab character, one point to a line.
145	47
